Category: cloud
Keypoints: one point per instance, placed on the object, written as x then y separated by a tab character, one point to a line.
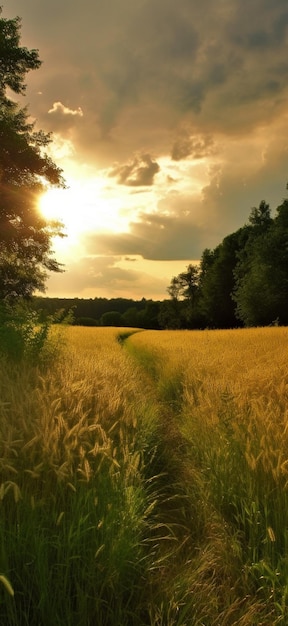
197	146
156	236
103	276
62	120
182	223
61	109
148	68
94	273
137	173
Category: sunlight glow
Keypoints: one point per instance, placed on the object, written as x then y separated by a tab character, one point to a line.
84	207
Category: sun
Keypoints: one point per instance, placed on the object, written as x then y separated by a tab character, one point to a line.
84	207
61	205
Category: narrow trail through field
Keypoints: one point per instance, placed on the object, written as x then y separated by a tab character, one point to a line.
180	484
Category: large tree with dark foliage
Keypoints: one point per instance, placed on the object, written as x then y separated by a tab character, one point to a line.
217	281
243	281
261	274
25	171
183	311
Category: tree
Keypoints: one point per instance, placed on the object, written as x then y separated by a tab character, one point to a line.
184	292
149	316
260	217
217	281
261	274
111	318
170	314
131	317
25	172
185	285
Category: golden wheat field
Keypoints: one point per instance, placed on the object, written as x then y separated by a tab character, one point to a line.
143	480
58	423
240	376
252	360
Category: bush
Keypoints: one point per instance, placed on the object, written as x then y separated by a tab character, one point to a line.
22	336
111	318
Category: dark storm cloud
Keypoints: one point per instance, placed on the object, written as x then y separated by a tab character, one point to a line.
117	61
263	25
233	190
138	172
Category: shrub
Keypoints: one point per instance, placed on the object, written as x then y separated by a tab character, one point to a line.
22	336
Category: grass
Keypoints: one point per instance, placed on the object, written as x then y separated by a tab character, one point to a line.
143	480
74	507
231	414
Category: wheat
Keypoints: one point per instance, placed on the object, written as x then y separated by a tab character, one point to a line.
4	580
78	444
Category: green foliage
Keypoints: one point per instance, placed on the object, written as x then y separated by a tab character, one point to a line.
170	315
185	285
257	294
77	565
111	318
261	274
243	281
15	61
183	309
134	313
260	217
25	171
85	321
131	317
217	283
23	337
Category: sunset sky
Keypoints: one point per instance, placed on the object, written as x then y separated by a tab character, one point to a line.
170	121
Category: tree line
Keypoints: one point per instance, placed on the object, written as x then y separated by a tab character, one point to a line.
100	311
242	282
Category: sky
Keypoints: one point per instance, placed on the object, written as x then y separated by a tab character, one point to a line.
170	122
